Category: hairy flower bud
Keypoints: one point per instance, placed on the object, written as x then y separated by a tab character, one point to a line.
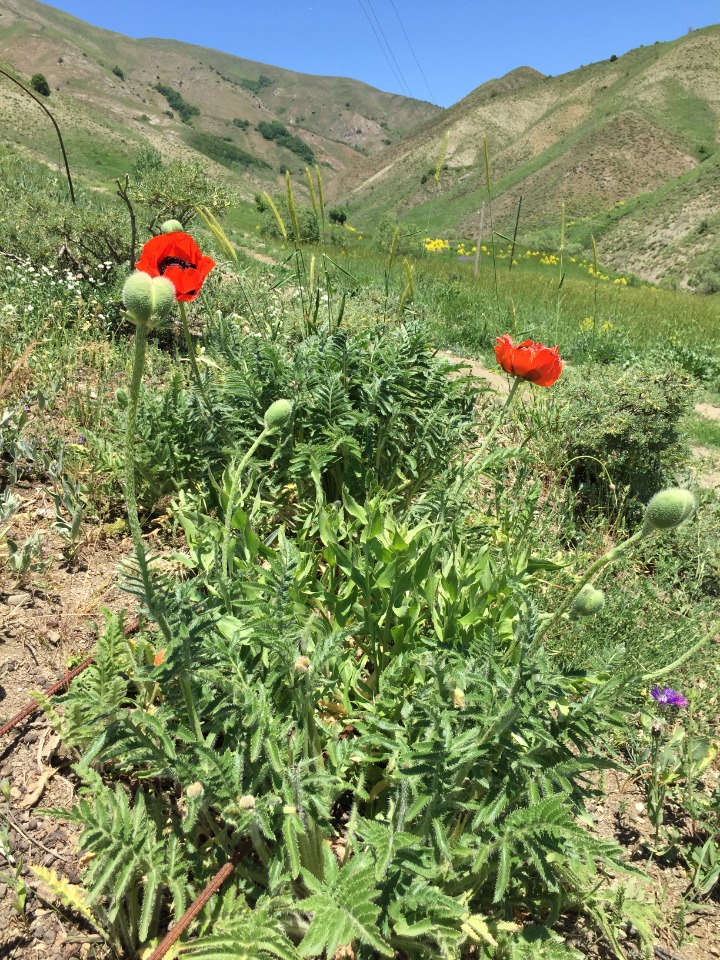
148	300
668	509
247	802
171	226
587	603
277	415
194	790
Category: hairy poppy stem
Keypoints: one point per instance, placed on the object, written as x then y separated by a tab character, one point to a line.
611	555
134	522
498	420
671	667
192	359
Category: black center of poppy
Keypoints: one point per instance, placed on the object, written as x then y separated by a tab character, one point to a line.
174	262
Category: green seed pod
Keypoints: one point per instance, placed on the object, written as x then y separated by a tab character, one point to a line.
587	603
121	395
148	300
277	415
668	509
171	226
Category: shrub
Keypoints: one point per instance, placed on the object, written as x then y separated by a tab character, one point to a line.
242	124
337	215
613	58
177	102
225	152
118	73
307	221
622	445
707	278
40	84
274	130
255	86
172	191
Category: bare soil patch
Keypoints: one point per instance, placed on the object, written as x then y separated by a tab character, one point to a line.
47	621
708	410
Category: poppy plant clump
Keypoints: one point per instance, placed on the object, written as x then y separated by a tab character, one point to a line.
529	360
177	257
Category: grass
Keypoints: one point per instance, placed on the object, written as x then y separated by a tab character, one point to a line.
704	431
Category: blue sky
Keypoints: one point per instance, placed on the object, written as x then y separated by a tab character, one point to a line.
432	50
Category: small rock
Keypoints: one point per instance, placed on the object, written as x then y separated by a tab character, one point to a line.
53	637
32	737
49	937
18	599
640	807
3	890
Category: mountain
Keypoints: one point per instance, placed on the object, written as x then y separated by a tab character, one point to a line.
629	145
112	94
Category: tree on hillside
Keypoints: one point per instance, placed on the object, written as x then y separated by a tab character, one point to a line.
40	84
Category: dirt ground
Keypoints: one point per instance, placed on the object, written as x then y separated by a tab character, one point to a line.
49	620
52	619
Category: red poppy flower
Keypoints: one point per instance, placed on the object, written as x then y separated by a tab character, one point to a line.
160	657
529	360
177	257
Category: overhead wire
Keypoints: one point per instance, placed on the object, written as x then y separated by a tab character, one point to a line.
377	37
387	43
412	51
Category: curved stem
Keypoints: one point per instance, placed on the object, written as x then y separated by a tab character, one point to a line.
54	123
136	530
498	420
671	667
613	554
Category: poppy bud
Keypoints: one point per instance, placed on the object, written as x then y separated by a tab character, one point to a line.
668	509
171	226
194	790
247	802
587	603
121	395
278	415
148	300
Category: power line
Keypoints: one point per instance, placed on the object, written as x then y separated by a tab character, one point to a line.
402	27
377	19
377	37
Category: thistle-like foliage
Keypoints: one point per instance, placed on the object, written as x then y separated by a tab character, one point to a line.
382	745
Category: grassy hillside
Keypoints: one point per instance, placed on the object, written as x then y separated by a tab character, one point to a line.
618	142
112	94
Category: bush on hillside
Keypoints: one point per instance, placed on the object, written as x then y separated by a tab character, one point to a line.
173	190
275	131
186	111
621	445
118	72
707	278
40	84
224	151
307	221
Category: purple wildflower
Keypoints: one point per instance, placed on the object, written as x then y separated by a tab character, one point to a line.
667	697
